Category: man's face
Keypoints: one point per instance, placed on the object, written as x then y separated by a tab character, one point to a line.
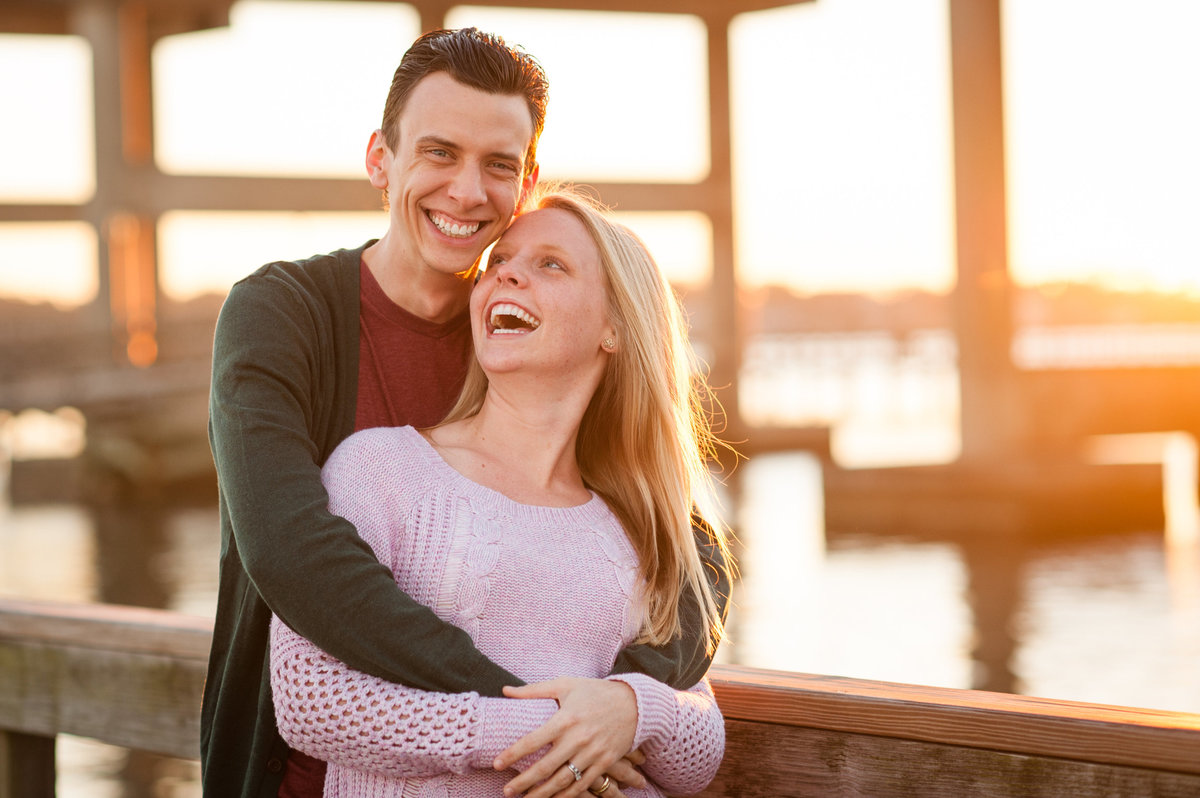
458	172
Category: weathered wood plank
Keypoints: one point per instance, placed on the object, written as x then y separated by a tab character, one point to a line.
765	760
133	677
1018	724
141	701
107	626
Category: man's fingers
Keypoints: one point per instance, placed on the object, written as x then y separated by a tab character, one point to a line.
624	771
607	786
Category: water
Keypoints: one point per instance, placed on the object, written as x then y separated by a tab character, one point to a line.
923	612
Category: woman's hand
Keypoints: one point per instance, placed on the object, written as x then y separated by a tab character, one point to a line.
593	731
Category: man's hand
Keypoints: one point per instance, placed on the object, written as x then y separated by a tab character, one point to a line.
593	730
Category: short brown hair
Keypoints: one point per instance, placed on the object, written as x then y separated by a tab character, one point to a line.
476	59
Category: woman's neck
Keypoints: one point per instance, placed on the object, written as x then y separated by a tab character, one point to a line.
526	452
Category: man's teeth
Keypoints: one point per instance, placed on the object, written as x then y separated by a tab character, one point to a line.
453	229
508	318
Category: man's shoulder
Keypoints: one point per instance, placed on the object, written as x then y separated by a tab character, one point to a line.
324	272
322	287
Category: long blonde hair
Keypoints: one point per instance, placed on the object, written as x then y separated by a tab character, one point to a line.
646	436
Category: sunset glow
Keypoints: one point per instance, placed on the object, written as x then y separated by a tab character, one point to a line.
842	136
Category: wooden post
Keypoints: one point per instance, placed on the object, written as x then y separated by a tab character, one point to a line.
433	17
133	286
983	291
119	35
725	333
26	765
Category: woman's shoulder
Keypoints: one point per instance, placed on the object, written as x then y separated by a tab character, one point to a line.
378	448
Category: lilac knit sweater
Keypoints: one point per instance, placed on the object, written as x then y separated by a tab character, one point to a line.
543	591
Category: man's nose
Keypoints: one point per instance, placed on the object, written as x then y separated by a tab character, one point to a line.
467	186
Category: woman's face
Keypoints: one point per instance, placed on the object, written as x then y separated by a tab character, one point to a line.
542	304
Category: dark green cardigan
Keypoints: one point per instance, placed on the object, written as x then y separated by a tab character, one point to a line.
284	387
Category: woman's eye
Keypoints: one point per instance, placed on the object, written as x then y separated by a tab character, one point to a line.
553	264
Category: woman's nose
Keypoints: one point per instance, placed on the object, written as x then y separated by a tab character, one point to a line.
510	272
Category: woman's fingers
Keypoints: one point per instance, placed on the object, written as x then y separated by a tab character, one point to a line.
593	728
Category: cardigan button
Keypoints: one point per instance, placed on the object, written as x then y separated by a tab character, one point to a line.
274	764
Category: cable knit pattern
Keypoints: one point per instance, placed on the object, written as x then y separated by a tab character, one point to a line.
543	591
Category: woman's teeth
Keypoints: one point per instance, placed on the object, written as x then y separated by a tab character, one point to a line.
510	318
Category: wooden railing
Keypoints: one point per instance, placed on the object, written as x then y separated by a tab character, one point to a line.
133	677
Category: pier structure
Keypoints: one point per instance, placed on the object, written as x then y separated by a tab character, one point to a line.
137	366
138	372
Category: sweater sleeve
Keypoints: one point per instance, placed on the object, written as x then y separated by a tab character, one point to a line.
682	733
274	402
334	713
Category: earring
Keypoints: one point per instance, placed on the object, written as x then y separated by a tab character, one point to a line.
609	344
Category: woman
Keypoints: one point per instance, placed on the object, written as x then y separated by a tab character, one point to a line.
549	515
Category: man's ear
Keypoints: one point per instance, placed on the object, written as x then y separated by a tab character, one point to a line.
377	160
527	185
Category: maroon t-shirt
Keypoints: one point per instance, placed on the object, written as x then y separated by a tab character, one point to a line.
410	371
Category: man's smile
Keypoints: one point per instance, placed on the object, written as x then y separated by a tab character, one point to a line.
452	227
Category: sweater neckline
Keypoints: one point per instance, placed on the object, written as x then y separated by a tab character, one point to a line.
590	512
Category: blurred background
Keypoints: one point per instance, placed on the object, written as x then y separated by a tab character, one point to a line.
939	255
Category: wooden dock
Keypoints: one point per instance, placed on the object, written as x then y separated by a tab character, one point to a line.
133	677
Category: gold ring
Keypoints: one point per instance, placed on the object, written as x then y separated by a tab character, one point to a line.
603	787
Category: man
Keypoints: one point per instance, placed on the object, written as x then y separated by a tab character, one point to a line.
305	353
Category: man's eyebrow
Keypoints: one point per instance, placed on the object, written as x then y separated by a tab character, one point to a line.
425	141
450	145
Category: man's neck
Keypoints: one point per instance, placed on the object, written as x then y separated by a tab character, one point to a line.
421	291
